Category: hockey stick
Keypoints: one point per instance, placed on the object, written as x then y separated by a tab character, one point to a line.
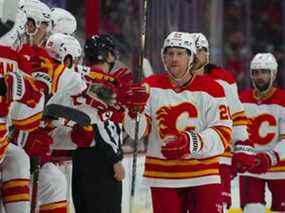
36	162
55	111
137	78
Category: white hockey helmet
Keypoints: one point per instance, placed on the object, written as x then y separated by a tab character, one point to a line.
21	3
36	10
13	38
60	45
21	20
62	21
264	61
200	41
179	40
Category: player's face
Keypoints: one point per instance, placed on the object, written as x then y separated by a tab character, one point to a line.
261	78
36	35
31	26
202	58
176	61
68	61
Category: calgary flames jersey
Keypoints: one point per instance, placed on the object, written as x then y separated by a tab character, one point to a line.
267	126
227	81
3	137
10	61
25	119
200	106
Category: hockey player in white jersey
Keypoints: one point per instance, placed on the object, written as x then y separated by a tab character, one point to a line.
52	187
188	128
240	142
38	24
265	107
102	149
16	88
65	50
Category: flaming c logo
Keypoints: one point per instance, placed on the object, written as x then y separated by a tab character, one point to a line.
168	116
255	125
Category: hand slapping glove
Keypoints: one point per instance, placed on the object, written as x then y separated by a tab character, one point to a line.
137	97
38	145
82	136
244	157
264	161
182	145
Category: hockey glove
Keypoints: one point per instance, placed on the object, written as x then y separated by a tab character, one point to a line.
182	146
123	82
38	143
243	156
264	161
22	89
137	97
82	136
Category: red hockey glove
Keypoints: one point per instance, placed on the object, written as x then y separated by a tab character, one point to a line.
243	156
82	136
38	143
123	82
22	89
264	161
123	77
137	97
184	144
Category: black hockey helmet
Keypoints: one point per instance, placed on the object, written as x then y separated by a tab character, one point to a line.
96	48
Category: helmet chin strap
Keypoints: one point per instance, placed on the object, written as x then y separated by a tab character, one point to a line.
179	81
182	80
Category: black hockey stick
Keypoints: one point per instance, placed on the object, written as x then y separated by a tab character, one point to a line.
55	111
137	78
37	166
